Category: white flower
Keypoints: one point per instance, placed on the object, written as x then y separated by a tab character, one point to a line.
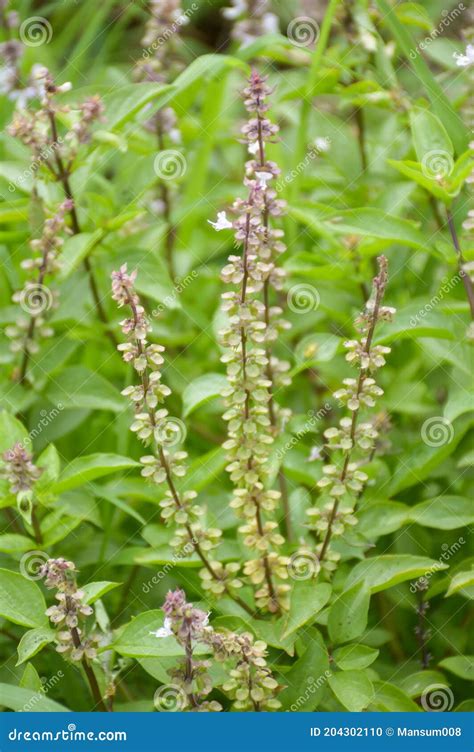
315	454
239	7
270	24
222	222
467	59
263	178
165	630
253	147
321	143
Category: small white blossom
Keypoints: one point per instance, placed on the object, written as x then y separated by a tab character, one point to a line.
315	454
165	630
263	178
321	143
222	222
466	60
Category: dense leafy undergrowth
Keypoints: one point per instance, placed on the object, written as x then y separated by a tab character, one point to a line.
243	233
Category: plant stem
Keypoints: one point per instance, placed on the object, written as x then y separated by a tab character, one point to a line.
422	631
36	525
189	670
243	338
268	354
170	228
31	327
355	415
91	678
468	286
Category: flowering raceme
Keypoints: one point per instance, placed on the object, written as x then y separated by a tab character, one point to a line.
252	372
157	430
342	483
57	152
22	474
35	298
251	685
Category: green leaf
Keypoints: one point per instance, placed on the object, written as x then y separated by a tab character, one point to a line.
429	134
347	618
460	665
78	386
354	656
462	583
204	66
415	684
26	701
83	469
201	390
382	518
30	679
11	431
366	222
77	248
425	176
21	600
444	512
95	590
308	676
353	689
102	492
124	103
33	641
135	640
439	101
390	698
270	632
11	543
307	599
419	463
50	461
382	572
